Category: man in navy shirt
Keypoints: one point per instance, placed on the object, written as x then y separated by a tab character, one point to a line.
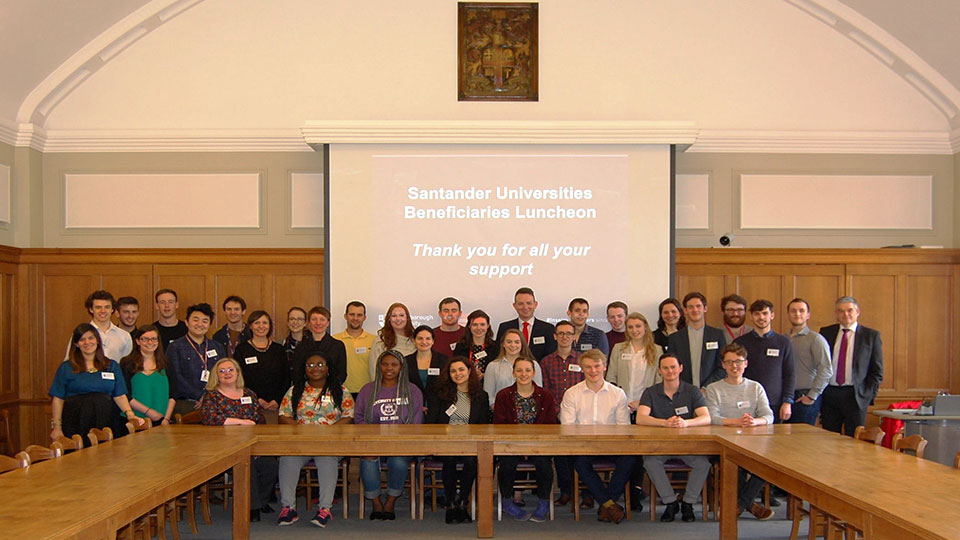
587	337
191	358
771	360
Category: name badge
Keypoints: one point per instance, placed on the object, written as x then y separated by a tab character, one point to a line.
585	346
360	350
212	353
204	375
626	356
451	409
712	345
326	399
106	375
574	367
480	355
453	346
743	404
539	340
773	352
246	400
251	360
433	371
682	410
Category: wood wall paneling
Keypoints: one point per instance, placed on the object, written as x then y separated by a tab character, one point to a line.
191	288
303	290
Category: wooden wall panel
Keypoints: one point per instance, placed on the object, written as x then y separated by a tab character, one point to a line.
820	291
291	290
930	304
191	289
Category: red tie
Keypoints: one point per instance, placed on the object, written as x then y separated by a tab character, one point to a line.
842	358
526	332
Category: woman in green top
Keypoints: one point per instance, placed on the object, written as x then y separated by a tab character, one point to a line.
145	370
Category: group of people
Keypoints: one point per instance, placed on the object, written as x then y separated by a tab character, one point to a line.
682	373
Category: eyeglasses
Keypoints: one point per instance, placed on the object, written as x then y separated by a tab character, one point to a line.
224	371
564	334
736	362
312	365
150	340
297	319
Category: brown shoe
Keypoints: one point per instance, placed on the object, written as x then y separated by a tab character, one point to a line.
614	512
562	500
586	502
602	515
761	512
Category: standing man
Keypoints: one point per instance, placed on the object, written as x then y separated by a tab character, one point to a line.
814	369
857	360
771	359
116	342
561	371
596	401
170	328
446	335
235	331
357	343
617	317
697	345
128	311
538	333
674	403
734	309
191	358
587	337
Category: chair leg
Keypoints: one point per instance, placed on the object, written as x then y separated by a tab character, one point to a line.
172	514
420	493
576	495
345	487
653	499
795	515
413	490
205	504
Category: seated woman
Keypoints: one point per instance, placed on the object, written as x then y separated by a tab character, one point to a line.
671	319
227	403
87	389
477	343
633	363
458	399
525	403
145	371
388	399
264	364
396	334
314	399
423	366
499	373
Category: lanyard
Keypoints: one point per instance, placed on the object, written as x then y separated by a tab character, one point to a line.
203	357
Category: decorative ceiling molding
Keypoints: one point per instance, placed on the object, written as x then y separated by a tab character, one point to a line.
955	141
181	140
824	142
23	135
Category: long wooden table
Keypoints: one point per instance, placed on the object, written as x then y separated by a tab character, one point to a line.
97	490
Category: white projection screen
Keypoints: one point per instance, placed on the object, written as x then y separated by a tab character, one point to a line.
417	223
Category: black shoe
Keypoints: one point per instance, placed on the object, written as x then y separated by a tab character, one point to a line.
774	501
376	515
266	509
464	516
452	515
686	512
670	511
636	506
254	515
389	516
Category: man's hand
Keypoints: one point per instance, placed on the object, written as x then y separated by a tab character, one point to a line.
786	411
676	422
806	400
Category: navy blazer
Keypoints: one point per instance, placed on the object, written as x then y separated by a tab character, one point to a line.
540	329
867	361
711	367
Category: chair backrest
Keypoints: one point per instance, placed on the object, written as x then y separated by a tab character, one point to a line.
6	433
871	435
8	463
71	443
913	443
192	417
41	453
956	461
96	435
133	427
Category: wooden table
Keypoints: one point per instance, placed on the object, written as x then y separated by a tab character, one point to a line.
871	487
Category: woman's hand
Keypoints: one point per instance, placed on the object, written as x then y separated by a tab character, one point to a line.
56	433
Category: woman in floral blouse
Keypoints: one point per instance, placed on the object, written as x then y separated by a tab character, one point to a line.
314	399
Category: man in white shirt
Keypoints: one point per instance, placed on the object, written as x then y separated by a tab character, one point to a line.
116	342
596	401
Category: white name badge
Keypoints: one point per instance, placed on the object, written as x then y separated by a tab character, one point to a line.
626	356
743	404
682	410
246	400
453	346
574	368
773	352
106	375
585	346
539	340
205	375
433	371
480	355
212	353
451	409
712	345
360	350
327	398
251	360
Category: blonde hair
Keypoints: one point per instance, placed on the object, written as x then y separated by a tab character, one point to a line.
213	382
649	347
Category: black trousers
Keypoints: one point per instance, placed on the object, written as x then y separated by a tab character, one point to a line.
840	410
464	477
508	473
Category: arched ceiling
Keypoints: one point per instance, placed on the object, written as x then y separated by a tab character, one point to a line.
796	73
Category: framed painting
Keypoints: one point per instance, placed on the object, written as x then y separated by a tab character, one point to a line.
497	51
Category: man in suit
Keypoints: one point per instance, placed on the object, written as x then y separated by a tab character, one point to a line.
698	346
539	334
856	354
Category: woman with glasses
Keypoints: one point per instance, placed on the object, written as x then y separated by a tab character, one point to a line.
145	371
296	322
227	402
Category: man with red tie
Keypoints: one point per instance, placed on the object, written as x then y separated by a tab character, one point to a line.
538	333
857	357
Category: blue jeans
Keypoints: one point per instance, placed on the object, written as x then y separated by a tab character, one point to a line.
614	490
396	475
805	414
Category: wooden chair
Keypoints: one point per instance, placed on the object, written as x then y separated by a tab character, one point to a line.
873	434
523	481
133	427
410	485
37	453
672	467
96	435
188	500
309	481
6	434
913	443
956	461
71	443
8	463
605	470
192	417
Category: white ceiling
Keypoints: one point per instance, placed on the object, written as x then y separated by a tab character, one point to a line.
731	66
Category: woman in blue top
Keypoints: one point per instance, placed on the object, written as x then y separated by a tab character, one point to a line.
389	399
87	389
